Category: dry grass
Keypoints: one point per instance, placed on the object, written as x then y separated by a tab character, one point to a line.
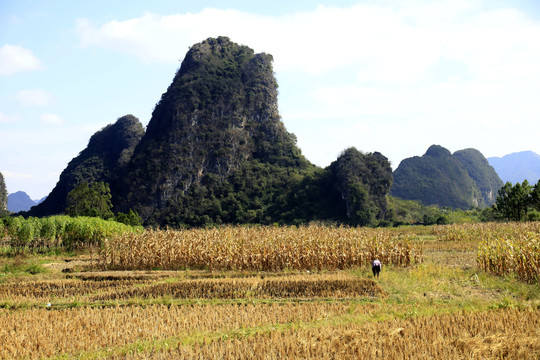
268	331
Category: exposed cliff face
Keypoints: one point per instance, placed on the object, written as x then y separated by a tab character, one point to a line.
108	151
436	178
483	174
219	112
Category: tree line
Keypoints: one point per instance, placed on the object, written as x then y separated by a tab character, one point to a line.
519	202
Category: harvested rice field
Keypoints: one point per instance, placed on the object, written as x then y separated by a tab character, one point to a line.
441	295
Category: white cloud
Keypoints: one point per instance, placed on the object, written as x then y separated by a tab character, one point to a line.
51	119
16	175
14	58
34	97
383	44
4	118
408	73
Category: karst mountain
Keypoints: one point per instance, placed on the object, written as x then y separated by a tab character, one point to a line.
217	151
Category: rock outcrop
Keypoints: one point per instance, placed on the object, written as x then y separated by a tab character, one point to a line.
219	116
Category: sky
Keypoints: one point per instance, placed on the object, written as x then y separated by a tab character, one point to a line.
387	76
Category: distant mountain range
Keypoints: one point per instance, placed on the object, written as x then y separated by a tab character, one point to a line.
20	201
518	166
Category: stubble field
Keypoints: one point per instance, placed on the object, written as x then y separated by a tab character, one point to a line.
271	293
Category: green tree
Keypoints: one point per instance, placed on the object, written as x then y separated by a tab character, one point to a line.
90	200
513	201
3	195
535	196
131	218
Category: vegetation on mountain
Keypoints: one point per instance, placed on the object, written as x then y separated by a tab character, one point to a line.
3	195
462	180
483	174
216	151
363	181
92	200
352	190
108	151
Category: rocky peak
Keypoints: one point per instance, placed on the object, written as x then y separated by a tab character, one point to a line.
437	151
219	111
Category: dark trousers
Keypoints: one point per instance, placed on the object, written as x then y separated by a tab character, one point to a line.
376	270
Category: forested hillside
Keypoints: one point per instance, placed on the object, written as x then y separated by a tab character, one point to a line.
461	180
108	151
483	174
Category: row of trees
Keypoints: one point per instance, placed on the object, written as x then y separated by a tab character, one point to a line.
518	202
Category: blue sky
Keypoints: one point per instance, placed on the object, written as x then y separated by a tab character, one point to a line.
387	76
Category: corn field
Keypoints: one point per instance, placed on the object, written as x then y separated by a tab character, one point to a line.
250	293
513	255
503	248
258	248
42	234
477	232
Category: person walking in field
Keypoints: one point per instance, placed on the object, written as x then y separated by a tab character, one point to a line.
376	268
